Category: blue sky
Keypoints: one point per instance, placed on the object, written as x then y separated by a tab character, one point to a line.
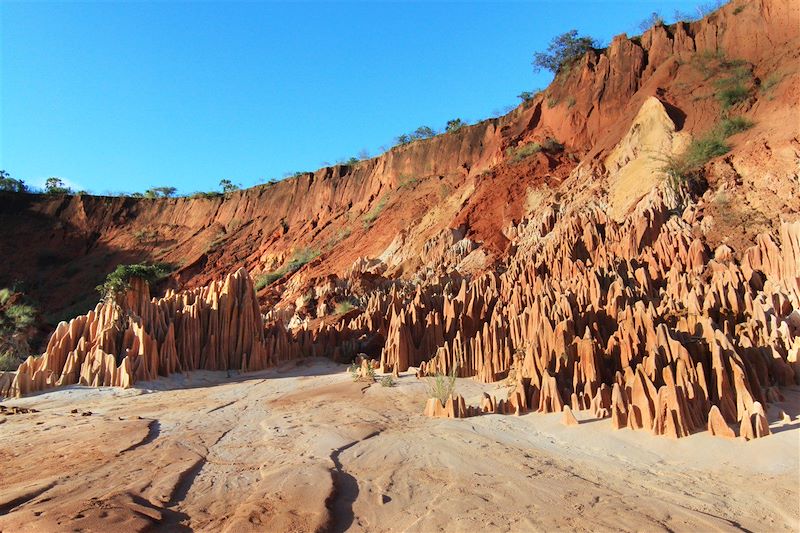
120	97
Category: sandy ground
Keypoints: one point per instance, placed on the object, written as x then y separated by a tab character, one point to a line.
303	448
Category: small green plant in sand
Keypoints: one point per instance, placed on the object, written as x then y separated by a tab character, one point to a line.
387	381
442	386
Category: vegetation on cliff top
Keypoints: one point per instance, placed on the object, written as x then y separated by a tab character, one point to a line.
119	281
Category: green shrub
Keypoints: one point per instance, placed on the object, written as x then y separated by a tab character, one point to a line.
143	236
355	372
23	316
228	187
552	146
160	192
387	381
519	153
454	125
56	186
732	95
118	281
685	167
563	50
268	279
423	132
407	182
17	321
9	362
205	195
770	82
9	184
442	386
372	215
733	125
298	260
343	307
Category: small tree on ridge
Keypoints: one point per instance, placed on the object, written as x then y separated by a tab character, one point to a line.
563	49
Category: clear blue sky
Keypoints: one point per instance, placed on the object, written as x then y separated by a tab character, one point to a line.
119	97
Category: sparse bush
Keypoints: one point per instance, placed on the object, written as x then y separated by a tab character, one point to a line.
517	154
268	279
160	192
655	19
355	370
704	10
527	96
732	95
570	102
9	184
228	187
118	281
372	215
298	260
454	125
770	82
22	316
442	386
9	362
56	186
733	125
685	167
205	195
423	132
343	307
17	321
144	236
387	381
407	182
552	146
563	50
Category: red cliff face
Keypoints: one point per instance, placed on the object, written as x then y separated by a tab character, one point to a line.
548	243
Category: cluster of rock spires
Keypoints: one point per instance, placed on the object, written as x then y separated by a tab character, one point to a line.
638	322
217	327
611	303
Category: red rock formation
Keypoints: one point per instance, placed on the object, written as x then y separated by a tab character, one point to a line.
717	425
218	327
631	316
569	419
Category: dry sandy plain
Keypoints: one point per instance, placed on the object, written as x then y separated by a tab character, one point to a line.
303	448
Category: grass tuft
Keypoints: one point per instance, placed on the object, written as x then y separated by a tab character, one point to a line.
442	386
